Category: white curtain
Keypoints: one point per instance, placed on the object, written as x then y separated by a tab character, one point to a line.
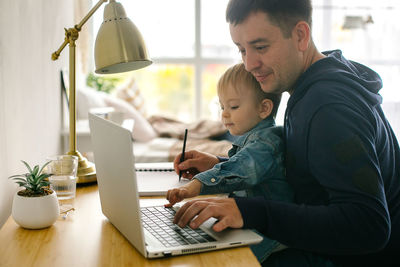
84	42
392	112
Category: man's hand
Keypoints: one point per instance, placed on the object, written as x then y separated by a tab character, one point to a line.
190	189
194	162
223	209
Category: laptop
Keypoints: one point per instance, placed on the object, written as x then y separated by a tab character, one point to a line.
149	229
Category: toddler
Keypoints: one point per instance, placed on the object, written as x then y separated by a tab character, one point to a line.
255	165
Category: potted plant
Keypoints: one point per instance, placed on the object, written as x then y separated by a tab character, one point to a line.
36	206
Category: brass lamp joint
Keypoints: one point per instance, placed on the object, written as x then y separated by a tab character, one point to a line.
71	35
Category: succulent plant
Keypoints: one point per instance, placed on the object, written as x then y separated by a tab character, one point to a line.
35	181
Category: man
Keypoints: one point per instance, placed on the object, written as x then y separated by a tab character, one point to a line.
342	157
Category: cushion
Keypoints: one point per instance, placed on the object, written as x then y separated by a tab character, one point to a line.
89	99
131	94
142	130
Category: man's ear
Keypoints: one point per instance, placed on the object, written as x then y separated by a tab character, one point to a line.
266	107
302	35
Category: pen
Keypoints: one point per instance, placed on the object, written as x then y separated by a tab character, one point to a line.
183	152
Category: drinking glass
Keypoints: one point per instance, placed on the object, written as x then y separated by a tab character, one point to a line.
63	181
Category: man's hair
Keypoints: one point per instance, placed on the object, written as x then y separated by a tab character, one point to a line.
238	78
282	13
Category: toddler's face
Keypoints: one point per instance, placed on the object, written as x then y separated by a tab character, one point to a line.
240	110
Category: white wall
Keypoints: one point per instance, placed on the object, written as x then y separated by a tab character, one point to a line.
30	98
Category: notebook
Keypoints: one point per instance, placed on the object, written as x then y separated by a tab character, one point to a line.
149	229
154	179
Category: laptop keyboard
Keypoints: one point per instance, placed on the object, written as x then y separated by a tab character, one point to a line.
159	222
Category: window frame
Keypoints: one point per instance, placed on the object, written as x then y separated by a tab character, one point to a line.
198	61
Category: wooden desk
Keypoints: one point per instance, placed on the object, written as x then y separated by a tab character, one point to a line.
86	238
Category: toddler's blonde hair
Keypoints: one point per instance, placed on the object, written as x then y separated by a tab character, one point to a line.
239	78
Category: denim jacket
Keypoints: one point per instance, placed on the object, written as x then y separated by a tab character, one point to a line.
255	165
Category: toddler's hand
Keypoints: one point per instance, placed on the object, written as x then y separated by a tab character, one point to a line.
176	195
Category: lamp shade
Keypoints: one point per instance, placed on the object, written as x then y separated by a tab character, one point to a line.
119	46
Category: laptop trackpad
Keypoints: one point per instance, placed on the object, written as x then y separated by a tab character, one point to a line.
227	235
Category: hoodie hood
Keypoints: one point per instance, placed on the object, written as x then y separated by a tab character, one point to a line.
335	68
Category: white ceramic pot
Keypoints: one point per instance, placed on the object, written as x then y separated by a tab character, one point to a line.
35	212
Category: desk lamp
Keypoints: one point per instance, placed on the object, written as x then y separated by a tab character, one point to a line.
119	47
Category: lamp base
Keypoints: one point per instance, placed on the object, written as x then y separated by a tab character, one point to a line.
86	169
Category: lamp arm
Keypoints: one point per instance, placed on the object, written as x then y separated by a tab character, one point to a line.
56	54
71	35
91	12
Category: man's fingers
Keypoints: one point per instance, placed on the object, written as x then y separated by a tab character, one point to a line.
204	209
221	225
183	209
205	214
188	211
225	210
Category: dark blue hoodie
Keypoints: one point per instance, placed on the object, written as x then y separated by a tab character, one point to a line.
342	160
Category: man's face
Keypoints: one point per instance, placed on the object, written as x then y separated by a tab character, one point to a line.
273	60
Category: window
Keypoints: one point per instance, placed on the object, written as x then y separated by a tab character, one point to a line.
190	45
366	31
189	42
